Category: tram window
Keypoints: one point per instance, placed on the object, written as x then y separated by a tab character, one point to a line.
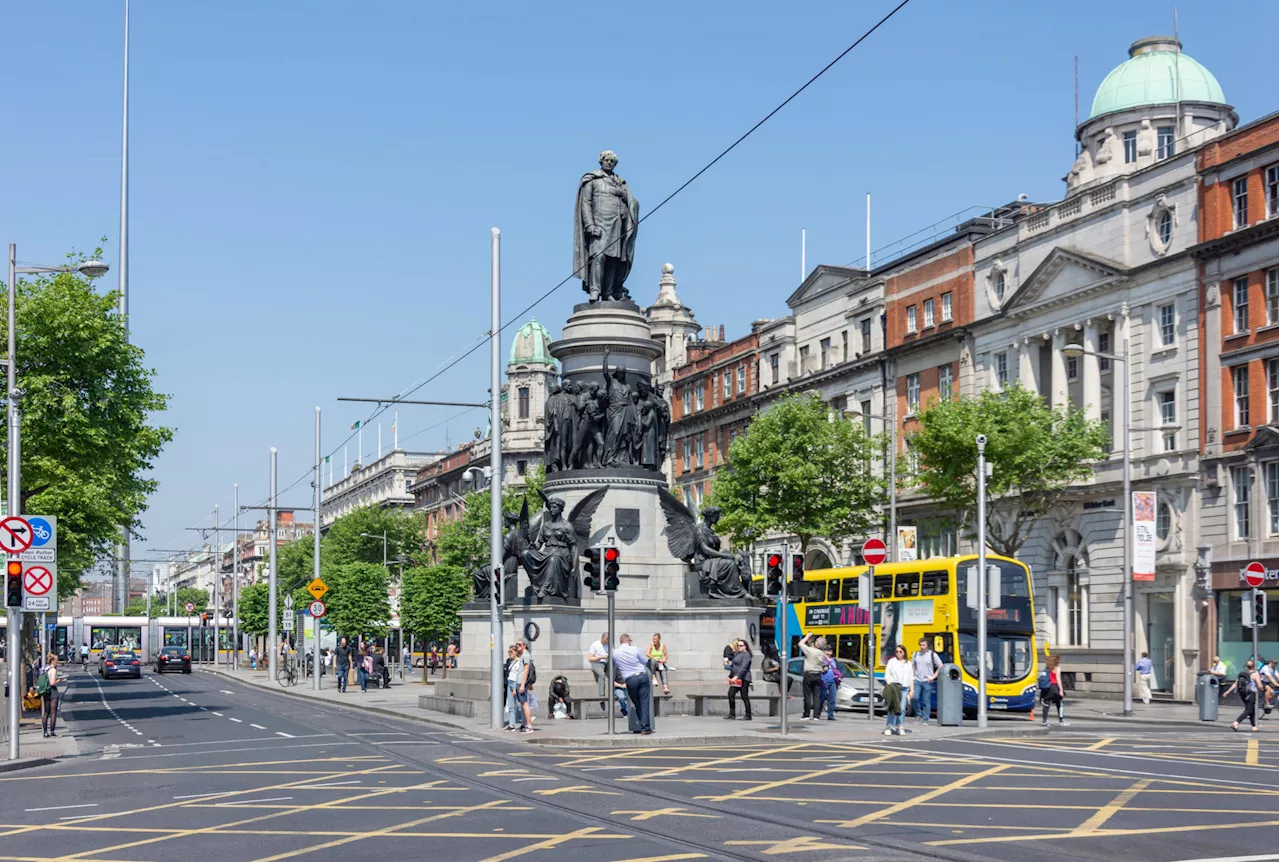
850	647
906	585
933	584
883	587
833	591
849	590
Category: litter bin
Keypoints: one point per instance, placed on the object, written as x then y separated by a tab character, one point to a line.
1207	693
950	696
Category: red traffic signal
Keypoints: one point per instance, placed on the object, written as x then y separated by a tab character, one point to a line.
775	560
612	556
797	567
13	567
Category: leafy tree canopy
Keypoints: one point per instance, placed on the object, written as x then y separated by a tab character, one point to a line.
358	601
464	543
87	407
432	597
253	609
1035	451
343	543
799	470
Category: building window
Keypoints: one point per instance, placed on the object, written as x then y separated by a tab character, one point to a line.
1073	368
523	401
1164	521
1164	228
1168	325
699	396
686	401
866	417
1168	403
1271	470
824	350
686	447
804	359
1002	370
1273	391
1076	593
946	307
1000	285
1241	481
699	451
1164	142
1240	304
742	379
728	385
773	368
1240	379
944	382
1240	203
521	467
1272	297
865	326
1273	179
928	312
1104	346
911	319
844	346
913	393
1130	147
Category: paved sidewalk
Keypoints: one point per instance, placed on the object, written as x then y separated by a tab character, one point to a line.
401	700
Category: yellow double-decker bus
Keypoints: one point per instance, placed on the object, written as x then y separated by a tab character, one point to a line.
923	599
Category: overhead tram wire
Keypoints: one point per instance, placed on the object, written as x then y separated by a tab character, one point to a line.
484	339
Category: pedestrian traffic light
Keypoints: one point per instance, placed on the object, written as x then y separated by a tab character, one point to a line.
612	557
773	576
591	569
797	568
1259	608
497	583
13	584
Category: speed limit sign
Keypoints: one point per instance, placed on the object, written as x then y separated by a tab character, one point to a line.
317	608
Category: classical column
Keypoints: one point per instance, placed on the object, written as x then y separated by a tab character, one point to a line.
1091	374
1058	371
1029	364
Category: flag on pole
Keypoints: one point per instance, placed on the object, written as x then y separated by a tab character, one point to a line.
356	426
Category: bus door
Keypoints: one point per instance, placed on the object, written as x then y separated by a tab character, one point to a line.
942	644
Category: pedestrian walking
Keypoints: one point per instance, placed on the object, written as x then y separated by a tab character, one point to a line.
812	679
1050	684
378	669
598	660
84	655
925	666
1146	677
1248	684
514	670
342	662
634	669
50	697
363	667
1270	682
831	677
253	658
406	659
658	661
740	680
899	681
452	655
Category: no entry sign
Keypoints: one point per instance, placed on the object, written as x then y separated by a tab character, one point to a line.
874	552
1255	574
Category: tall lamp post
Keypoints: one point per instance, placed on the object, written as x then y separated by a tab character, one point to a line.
89	269
891	423
1075	351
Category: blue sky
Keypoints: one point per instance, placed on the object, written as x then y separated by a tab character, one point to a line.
313	183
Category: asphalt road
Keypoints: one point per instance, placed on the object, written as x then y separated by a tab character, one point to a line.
177	767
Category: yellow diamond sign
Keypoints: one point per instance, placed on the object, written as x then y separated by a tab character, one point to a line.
317	588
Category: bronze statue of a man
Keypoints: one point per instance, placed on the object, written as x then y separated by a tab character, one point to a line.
604	231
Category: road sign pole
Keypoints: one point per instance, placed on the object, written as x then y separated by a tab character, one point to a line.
273	613
784	677
871	643
613	641
982	579
315	552
14	615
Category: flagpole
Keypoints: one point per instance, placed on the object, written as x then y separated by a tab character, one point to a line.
379	440
345	471
395	431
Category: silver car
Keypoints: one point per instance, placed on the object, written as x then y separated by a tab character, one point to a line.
851	695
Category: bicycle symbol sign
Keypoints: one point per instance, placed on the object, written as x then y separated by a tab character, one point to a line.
41	531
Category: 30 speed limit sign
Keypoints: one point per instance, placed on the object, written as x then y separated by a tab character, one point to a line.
317	608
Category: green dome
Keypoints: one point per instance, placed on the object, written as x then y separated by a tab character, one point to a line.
1147	78
531	345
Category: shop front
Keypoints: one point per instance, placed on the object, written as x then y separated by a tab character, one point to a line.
1234	638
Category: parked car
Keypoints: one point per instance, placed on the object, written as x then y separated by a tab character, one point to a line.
173	658
851	696
120	663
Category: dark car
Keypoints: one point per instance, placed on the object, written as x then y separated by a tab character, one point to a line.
121	663
173	658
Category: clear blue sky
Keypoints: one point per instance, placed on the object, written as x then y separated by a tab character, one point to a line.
313	183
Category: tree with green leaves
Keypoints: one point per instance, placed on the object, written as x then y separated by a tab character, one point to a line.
161	605
358	601
356	537
802	470
464	543
1035	453
432	598
253	609
88	405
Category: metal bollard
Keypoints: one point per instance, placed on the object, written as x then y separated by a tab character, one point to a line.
950	696
1207	692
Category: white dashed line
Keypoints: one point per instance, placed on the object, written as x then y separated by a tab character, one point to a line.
237	721
218	714
334	784
257	727
63	807
285	735
197	795
254	801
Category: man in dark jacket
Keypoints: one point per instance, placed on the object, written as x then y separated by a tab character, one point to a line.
342	660
740	680
381	676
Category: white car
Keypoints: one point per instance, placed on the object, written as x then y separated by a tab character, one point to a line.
851	696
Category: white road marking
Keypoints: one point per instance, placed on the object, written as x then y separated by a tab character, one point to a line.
218	714
253	801
536	778
257	726
237	721
63	807
335	783
224	691
77	816
285	735
407	742
197	795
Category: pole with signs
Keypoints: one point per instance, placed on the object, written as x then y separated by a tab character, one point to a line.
613	641
784	672
1255	575
981	581
874	552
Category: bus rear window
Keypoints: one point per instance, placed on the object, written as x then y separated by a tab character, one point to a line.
906	585
849	590
883	587
933	584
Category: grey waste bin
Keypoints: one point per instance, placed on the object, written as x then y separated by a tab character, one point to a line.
950	696
1207	693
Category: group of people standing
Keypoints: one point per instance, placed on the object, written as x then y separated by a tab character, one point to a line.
369	661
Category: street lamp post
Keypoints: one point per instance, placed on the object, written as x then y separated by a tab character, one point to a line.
891	540
1075	351
89	269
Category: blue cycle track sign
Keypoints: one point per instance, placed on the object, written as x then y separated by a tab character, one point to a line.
41	532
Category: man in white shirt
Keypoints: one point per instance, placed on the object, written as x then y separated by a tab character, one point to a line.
633	669
598	658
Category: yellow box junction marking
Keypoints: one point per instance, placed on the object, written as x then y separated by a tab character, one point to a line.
799	844
664	812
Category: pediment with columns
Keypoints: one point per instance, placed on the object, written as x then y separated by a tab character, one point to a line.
824	279
1065	276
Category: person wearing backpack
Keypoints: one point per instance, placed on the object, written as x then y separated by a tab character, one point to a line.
1248	684
50	698
1050	685
831	677
925	664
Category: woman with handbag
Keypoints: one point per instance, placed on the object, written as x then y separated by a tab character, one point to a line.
364	668
740	680
50	698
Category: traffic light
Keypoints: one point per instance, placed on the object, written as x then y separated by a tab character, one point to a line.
591	569
612	556
797	569
13	584
497	583
204	620
1259	608
773	576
